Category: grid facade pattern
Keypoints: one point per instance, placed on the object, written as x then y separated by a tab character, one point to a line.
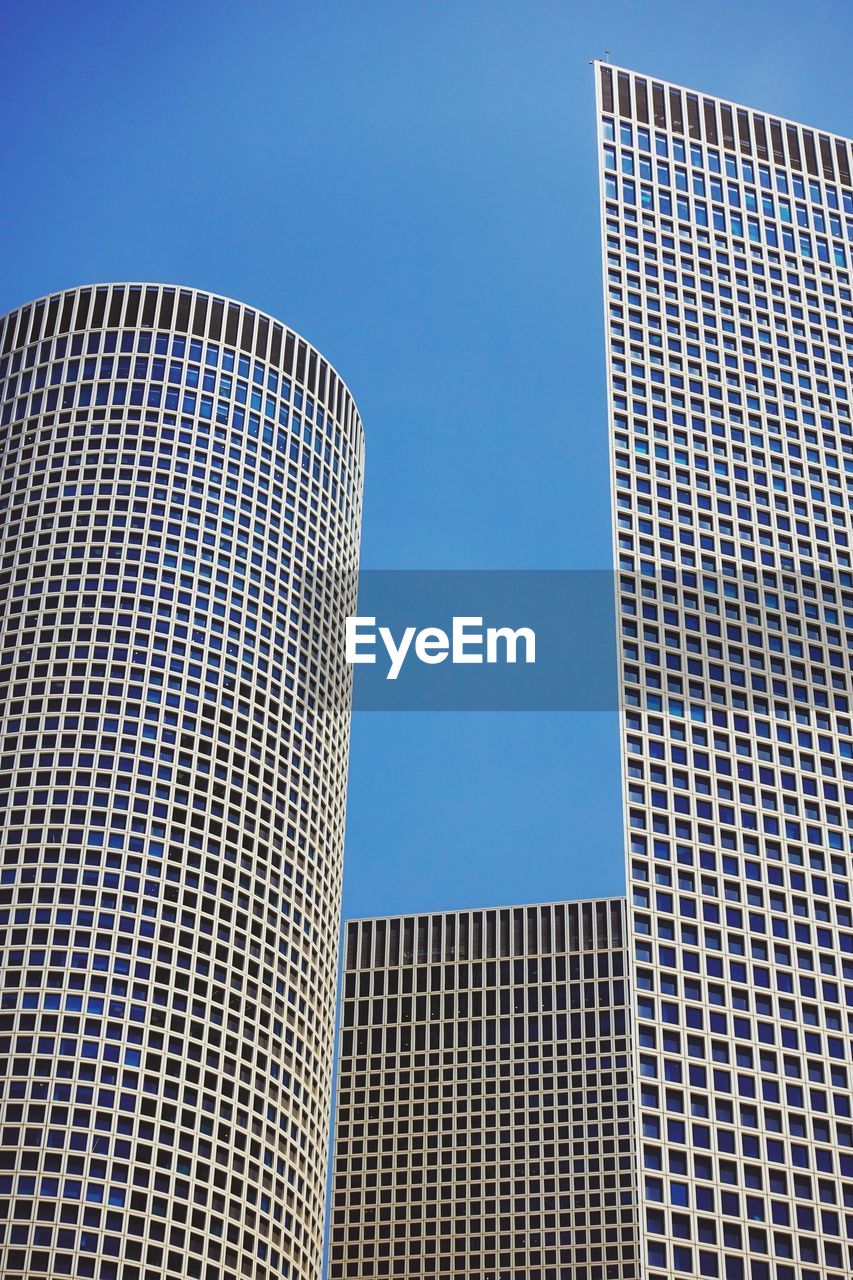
484	1122
180	490
727	238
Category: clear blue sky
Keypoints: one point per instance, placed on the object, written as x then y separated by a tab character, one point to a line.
412	186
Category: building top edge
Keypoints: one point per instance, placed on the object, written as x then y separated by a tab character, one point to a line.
165	286
463	911
730	102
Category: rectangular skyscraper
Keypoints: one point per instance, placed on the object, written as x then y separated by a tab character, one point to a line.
727	236
484	1120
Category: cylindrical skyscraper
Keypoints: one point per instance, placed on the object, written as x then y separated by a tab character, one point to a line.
180	493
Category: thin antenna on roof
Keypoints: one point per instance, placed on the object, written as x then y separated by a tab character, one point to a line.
606	55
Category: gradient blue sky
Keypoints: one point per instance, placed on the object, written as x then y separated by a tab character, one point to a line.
412	186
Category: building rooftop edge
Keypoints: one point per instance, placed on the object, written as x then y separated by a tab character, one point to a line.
731	102
460	911
186	288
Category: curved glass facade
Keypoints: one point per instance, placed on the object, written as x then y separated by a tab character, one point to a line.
180	493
